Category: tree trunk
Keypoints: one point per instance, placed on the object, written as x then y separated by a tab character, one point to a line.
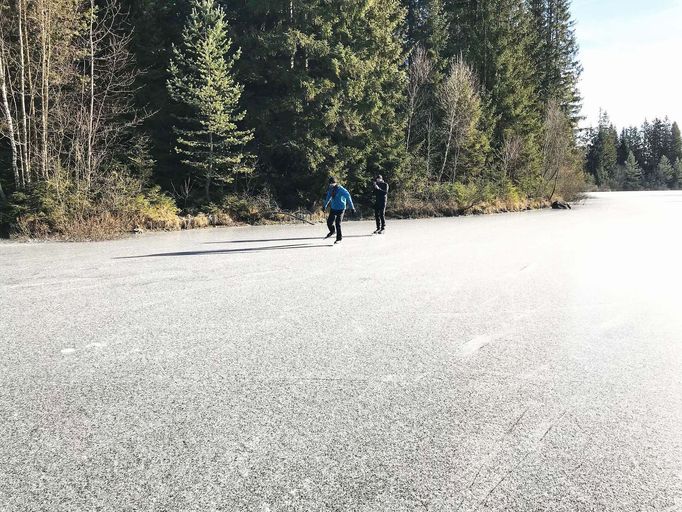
409	131
25	159
32	141
556	184
8	118
454	166
45	86
291	25
91	113
209	175
429	135
447	148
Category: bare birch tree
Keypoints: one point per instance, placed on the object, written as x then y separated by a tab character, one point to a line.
510	156
460	102
66	88
7	125
558	149
109	114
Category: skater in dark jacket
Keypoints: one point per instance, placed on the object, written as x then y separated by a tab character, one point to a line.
340	200
380	198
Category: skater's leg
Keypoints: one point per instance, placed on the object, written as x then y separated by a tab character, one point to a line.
339	220
382	217
330	222
377	216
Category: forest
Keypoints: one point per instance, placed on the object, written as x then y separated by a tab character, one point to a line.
638	158
118	115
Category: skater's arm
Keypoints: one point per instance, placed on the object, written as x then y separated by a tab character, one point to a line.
327	199
350	200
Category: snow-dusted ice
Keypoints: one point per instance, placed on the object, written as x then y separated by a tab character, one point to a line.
527	361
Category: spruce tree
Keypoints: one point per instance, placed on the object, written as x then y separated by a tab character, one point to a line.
428	27
633	173
495	37
677	182
157	26
435	37
202	82
675	151
413	21
656	136
630	140
602	154
665	174
326	90
555	55
623	148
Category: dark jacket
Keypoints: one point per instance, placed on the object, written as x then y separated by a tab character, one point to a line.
380	192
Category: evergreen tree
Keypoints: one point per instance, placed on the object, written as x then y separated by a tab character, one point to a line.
428	27
665	174
655	139
629	140
677	182
654	147
413	21
157	27
555	55
435	34
326	90
633	173
623	147
495	36
202	81
675	150
602	154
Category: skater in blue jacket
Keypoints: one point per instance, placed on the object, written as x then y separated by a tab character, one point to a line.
340	200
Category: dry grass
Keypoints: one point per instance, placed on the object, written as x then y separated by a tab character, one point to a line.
98	226
65	214
457	199
59	210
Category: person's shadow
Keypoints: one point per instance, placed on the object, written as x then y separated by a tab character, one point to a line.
278	240
241	250
227	251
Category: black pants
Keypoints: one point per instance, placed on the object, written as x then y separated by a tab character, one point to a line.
380	215
334	222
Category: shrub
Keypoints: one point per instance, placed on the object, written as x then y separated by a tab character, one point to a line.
452	199
572	186
247	208
195	221
154	210
115	205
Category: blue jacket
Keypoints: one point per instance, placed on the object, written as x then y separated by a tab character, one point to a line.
341	199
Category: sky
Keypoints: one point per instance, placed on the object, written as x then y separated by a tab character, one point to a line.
631	51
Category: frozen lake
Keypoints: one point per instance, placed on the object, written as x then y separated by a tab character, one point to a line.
526	361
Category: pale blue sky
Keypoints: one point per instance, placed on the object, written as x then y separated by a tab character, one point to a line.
631	51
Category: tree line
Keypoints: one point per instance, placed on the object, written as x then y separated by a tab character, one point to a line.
131	109
638	158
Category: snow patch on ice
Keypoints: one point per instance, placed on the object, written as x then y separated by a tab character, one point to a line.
475	344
